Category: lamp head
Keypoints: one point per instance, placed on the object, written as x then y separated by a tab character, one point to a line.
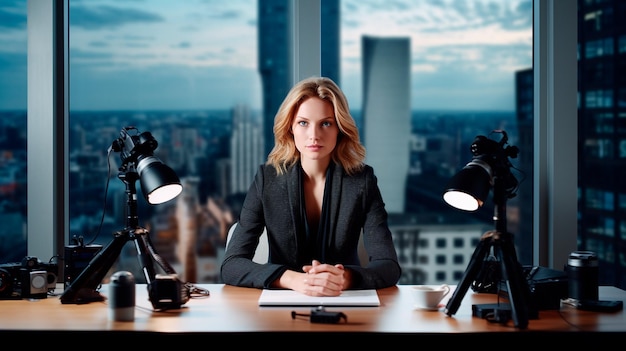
159	183
468	189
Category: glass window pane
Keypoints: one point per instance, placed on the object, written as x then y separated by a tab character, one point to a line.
187	73
13	81
469	65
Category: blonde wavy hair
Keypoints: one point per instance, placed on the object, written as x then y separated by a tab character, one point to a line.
349	152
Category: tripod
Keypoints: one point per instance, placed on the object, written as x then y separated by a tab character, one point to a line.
164	293
501	241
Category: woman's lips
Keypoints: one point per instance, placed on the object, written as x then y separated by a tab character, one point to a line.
314	147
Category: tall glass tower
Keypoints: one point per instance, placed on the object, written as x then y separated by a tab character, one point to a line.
602	136
274	54
387	114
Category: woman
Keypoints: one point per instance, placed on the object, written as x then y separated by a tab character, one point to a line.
314	196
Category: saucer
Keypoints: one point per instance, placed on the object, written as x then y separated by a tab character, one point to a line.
426	308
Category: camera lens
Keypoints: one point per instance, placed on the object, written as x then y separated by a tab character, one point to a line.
582	275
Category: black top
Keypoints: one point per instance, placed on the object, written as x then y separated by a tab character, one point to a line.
317	233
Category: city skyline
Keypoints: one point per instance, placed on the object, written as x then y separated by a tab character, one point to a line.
151	55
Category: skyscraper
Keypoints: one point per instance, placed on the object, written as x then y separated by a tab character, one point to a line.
274	54
387	114
602	136
246	149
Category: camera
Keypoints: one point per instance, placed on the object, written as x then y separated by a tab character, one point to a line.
30	278
168	292
136	147
493	156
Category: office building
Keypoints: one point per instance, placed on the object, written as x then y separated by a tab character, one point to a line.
275	64
434	253
387	114
246	149
602	136
601	159
188	222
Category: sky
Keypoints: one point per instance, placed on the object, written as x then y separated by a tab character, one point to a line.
199	54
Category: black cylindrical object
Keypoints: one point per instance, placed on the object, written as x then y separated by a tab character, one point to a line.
122	296
582	275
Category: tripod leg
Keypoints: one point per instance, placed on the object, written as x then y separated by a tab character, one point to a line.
145	261
470	274
516	286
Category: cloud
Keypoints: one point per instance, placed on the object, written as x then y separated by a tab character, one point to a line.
13	80
99	17
483	41
11	17
163	87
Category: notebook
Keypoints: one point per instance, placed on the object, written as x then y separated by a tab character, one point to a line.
270	297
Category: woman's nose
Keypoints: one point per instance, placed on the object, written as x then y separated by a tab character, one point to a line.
314	133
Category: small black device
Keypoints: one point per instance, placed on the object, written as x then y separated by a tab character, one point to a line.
77	257
320	315
547	288
487	310
493	312
30	278
166	291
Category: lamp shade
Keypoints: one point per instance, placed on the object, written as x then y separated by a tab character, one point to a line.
468	189
159	183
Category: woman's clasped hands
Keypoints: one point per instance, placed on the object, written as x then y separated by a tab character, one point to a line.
321	279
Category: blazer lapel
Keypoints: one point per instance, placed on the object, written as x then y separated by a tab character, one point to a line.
294	197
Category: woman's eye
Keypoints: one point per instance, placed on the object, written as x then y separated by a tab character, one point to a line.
327	124
302	123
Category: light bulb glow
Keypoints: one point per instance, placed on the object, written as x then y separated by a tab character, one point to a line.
164	193
461	200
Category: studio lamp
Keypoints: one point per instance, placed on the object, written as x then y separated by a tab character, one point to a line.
468	189
159	184
490	169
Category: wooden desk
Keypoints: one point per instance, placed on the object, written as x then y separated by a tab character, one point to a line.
232	311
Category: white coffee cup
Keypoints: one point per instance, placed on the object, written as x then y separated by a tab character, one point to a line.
428	297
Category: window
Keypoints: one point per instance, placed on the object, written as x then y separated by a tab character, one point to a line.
165	69
458	242
441	260
148	71
458	275
440	243
118	122
13	126
457	259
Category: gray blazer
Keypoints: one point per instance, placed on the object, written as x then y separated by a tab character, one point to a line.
273	203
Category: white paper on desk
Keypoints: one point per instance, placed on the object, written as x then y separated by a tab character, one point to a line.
271	297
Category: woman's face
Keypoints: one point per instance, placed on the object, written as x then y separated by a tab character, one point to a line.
315	130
